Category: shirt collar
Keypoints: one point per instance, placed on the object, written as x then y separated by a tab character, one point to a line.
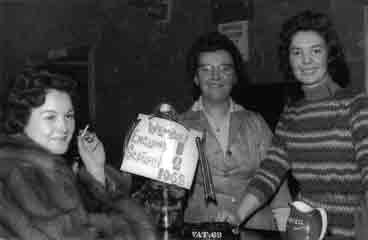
198	106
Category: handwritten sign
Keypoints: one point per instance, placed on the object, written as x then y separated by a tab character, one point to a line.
162	150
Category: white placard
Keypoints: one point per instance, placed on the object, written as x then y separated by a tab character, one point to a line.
162	150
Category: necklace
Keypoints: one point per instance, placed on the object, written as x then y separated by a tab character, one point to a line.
216	125
221	130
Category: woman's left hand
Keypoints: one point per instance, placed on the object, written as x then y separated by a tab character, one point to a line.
227	216
92	153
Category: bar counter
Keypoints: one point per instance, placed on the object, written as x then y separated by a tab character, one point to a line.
250	234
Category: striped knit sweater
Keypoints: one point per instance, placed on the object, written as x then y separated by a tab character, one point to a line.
324	143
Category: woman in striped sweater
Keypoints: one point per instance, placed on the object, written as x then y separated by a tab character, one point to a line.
322	137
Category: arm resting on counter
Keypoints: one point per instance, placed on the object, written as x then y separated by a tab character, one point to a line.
249	204
280	205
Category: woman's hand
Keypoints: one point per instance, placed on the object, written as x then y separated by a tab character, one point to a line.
92	153
227	216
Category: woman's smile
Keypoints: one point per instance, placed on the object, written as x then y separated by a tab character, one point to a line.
309	71
308	57
52	124
215	84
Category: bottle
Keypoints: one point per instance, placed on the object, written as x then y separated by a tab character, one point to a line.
171	213
166	111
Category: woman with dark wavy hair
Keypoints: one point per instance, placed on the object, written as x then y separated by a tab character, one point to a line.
320	23
322	138
41	197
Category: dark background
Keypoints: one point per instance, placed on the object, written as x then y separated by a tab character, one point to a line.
128	61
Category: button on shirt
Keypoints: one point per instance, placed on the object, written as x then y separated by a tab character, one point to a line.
221	131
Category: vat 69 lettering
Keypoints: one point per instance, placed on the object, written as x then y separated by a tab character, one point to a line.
206	235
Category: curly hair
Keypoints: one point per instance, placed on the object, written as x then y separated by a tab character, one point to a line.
29	91
321	24
210	42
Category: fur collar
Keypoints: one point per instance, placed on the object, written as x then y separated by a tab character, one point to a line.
19	149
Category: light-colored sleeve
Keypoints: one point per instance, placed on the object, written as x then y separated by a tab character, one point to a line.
265	135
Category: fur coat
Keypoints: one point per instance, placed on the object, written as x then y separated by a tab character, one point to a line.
41	198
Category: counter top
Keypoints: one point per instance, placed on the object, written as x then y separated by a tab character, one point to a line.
250	234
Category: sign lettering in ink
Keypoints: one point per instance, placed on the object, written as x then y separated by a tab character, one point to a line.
162	150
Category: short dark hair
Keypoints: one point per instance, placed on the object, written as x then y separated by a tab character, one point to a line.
29	91
210	42
320	23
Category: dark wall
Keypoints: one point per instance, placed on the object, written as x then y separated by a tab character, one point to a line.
138	62
349	20
265	26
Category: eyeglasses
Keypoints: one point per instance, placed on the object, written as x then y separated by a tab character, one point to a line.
225	70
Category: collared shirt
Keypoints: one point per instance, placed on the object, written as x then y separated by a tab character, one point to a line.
249	138
221	131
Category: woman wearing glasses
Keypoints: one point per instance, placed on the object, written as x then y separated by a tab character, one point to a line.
236	139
